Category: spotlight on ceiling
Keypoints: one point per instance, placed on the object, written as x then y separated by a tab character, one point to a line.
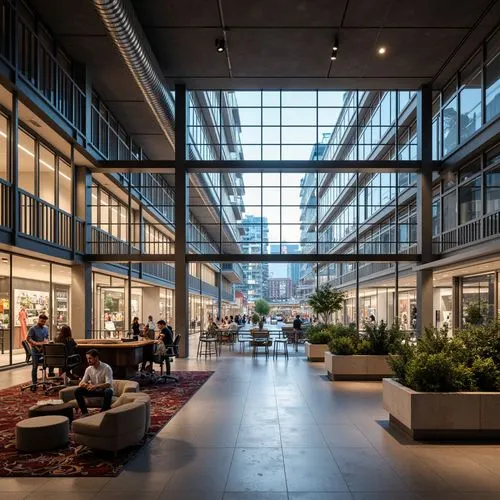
335	44
333	57
382	50
220	45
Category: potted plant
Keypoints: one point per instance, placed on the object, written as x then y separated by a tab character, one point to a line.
447	387
255	318
261	308
363	356
325	301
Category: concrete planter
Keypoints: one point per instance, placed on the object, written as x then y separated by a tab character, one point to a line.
315	352
442	415
357	367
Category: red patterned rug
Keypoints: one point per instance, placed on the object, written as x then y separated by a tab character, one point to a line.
166	401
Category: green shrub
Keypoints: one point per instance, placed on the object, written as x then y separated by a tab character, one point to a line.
486	374
344	346
439	363
318	337
438	373
340	330
255	318
384	340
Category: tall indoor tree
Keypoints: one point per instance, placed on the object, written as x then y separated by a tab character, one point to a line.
325	301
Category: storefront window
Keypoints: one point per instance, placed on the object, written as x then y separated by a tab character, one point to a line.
65	186
26	162
5	330
61	300
47	175
4	152
109	306
31	284
478	299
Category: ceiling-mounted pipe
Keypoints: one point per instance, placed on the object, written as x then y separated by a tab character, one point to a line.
127	34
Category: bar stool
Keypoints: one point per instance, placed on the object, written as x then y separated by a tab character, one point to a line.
207	345
280	341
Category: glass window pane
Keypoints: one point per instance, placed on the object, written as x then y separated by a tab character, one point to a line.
450	139
47	175
5	302
470	201
493	88
65	184
26	162
449	211
493	191
470	107
4	157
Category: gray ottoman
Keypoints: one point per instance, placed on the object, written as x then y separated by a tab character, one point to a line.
42	433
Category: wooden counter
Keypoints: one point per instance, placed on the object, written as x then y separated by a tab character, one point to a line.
123	357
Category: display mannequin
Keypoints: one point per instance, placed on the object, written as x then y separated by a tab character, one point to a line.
23	334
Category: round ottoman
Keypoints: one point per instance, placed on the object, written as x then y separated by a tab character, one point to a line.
42	433
64	409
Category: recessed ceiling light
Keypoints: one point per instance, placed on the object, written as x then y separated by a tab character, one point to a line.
220	45
381	50
333	56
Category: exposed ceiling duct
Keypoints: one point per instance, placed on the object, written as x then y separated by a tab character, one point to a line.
127	34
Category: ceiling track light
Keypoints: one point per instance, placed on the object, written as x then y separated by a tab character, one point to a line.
336	44
220	45
333	57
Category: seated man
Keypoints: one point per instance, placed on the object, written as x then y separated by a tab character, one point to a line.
97	381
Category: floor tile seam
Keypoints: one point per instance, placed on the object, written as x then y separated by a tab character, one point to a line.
398	474
281	441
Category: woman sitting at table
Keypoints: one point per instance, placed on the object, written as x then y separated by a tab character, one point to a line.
212	329
65	337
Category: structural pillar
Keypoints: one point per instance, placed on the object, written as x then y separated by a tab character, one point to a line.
424	209
181	220
219	294
81	300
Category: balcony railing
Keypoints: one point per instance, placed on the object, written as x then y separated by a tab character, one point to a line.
101	242
42	221
5	200
160	270
467	234
40	69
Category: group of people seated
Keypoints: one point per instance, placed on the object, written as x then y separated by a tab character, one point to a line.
97	380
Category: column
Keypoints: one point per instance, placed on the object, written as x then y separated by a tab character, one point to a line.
81	300
181	219
14	156
219	294
456	302
424	209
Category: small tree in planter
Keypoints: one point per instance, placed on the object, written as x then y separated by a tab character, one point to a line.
325	301
261	308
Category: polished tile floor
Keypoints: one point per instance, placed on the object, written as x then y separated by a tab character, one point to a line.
276	429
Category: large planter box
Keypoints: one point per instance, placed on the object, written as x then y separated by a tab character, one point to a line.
442	415
357	367
315	352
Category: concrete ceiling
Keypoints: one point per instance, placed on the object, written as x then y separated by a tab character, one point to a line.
273	44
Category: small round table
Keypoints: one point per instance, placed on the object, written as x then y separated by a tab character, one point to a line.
42	433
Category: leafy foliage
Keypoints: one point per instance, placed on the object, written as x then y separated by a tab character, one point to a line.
475	313
377	339
261	307
468	361
318	336
255	318
325	301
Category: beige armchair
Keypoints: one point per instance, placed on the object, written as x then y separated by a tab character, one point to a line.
112	430
119	387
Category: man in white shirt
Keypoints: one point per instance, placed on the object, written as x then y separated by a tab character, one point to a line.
97	382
